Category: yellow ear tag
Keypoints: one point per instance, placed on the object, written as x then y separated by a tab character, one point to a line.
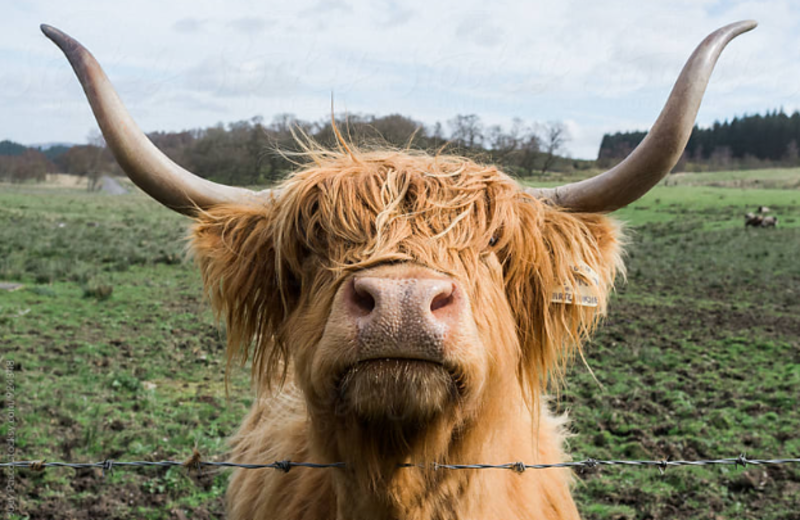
588	284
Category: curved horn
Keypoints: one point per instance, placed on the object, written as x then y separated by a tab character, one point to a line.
660	150
146	165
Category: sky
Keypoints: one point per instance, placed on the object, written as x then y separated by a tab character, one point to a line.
597	66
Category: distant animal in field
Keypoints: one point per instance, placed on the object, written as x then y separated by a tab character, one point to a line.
769	222
403	308
754	220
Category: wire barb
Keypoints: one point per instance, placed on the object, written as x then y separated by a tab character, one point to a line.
742	461
194	462
283	465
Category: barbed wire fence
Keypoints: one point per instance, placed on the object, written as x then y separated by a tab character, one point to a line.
195	462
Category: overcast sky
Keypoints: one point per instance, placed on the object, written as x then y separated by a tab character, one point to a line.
597	65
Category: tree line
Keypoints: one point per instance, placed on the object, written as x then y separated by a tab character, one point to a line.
747	142
19	163
254	152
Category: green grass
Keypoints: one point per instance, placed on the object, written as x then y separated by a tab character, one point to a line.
781	178
699	358
773	178
137	374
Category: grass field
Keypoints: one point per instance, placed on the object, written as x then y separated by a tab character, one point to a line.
116	356
775	178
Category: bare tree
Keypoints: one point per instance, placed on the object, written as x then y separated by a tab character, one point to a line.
502	144
397	130
467	130
87	161
528	152
437	135
101	163
553	138
30	166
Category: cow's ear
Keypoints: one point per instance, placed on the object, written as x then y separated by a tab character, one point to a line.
559	270
234	248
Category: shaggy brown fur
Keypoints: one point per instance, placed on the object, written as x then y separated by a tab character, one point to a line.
274	271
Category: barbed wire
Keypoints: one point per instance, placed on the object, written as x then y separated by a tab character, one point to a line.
195	462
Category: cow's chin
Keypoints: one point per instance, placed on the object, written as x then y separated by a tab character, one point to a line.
397	391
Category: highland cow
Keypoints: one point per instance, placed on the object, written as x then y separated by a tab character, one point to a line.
403	308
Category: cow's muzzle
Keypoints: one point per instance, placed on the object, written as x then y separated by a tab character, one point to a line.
403	318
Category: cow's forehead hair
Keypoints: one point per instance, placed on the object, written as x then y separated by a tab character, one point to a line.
355	208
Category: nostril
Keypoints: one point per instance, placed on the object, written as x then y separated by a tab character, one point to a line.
364	301
362	298
443	299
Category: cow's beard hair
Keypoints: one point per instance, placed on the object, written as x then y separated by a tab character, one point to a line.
393	411
392	393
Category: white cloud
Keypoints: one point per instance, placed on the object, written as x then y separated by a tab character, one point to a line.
189	25
599	66
391	13
479	29
251	24
225	77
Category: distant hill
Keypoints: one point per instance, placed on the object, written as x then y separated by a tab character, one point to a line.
54	151
50	150
11	148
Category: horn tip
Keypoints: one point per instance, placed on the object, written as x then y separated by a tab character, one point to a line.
57	36
750	24
49	30
744	26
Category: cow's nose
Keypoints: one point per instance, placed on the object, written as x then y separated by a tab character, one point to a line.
405	317
415	295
